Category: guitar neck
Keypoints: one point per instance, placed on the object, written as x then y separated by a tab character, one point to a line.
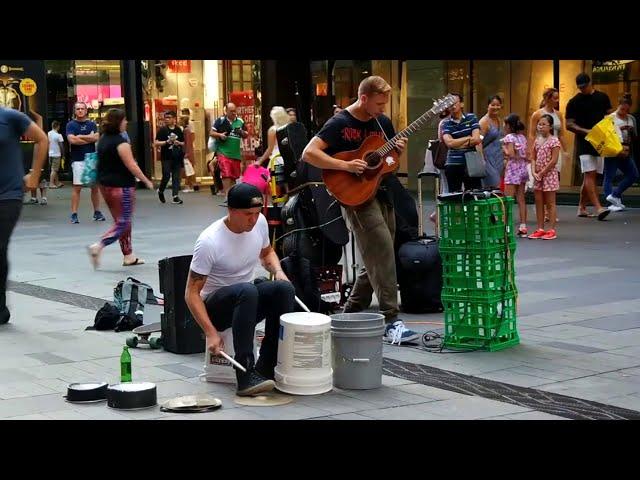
412	128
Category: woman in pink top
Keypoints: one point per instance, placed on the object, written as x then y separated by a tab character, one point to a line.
514	148
547	183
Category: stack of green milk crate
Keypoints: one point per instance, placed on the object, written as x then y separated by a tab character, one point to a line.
479	295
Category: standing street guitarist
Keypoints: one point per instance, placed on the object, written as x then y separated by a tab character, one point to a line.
374	222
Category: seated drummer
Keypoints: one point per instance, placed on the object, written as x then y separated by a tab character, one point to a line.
220	292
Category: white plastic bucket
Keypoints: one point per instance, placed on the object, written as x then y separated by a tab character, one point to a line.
304	354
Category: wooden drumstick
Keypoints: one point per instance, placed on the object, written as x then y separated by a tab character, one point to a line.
233	362
304	307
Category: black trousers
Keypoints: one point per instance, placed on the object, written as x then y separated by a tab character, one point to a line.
9	214
457	175
173	169
242	306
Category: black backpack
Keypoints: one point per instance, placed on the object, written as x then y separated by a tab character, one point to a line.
106	318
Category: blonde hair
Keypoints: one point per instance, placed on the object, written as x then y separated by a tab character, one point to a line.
279	116
373	85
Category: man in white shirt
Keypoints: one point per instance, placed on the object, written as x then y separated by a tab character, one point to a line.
220	292
56	149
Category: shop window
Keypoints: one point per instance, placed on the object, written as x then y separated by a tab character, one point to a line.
490	77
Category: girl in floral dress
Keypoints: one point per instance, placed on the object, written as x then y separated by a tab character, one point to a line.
514	148
547	183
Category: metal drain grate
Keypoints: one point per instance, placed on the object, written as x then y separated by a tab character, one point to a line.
60	296
552	403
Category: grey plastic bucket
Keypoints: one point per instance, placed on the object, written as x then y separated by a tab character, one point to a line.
357	350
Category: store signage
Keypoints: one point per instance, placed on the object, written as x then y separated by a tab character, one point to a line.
609	66
179	66
245	109
28	87
114	101
23	88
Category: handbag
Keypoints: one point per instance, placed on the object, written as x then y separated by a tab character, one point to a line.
188	168
90	172
439	152
476	164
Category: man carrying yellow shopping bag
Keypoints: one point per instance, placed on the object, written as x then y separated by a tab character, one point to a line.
584	111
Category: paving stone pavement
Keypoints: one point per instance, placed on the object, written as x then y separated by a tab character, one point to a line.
578	320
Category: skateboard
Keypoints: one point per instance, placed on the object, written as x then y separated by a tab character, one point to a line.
143	333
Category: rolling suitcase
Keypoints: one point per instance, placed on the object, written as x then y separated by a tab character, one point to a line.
420	269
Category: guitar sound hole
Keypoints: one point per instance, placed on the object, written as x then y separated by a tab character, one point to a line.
372	159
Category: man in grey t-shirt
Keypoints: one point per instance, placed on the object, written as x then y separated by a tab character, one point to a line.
14	125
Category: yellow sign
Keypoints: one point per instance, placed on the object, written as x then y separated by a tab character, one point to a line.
28	87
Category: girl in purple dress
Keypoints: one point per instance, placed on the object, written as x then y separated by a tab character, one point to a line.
514	147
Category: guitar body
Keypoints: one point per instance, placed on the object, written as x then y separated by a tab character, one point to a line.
355	190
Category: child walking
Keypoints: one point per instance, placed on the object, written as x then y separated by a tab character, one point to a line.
514	148
546	150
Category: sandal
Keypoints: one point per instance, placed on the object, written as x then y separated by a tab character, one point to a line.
586	214
602	214
94	255
137	261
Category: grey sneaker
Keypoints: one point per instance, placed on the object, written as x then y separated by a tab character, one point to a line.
396	332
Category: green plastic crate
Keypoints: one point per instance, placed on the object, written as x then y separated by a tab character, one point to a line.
478	271
480	321
476	223
479	296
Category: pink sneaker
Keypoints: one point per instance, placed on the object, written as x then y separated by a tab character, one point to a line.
539	233
550	235
522	231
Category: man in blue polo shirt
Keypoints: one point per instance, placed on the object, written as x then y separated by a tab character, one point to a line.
13	125
461	134
82	135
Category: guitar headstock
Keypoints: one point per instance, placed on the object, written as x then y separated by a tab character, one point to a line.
443	103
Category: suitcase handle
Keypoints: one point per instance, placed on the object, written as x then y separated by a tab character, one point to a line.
356	360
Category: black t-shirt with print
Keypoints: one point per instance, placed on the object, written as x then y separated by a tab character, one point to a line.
587	110
163	136
344	132
112	171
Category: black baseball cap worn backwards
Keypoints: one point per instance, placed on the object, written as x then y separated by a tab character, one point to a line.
243	196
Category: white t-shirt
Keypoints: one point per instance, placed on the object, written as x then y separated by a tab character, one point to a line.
228	258
625	128
55	139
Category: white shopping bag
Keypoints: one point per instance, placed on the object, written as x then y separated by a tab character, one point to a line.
218	369
188	168
532	180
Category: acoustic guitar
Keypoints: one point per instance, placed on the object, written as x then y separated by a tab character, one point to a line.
381	156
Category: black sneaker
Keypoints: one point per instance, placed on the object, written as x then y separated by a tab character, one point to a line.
263	370
214	190
177	200
161	197
5	315
252	383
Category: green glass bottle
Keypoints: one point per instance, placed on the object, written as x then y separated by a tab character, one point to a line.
125	365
